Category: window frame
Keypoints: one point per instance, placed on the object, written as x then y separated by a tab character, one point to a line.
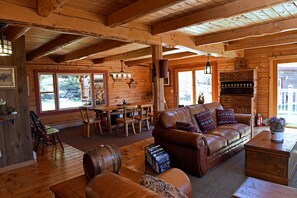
56	91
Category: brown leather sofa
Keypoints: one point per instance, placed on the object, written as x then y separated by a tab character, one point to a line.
113	186
197	153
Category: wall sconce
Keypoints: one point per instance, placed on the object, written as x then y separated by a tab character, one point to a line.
207	69
163	66
5	45
118	76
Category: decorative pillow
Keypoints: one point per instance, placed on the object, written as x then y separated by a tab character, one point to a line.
161	187
225	116
186	126
205	121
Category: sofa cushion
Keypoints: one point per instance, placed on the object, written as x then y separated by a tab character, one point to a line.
225	116
212	108
214	143
168	118
194	109
186	126
230	135
205	121
161	187
243	129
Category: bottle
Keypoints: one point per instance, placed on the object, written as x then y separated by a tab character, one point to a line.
259	120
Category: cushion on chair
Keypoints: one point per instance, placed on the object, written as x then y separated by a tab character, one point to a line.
161	187
205	121
186	126
225	116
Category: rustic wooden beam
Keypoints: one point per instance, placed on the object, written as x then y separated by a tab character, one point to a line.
46	7
52	46
128	55
193	59
283	38
93	49
258	30
170	56
16	32
137	10
222	11
25	16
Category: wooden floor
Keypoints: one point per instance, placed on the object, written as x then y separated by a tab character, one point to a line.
56	166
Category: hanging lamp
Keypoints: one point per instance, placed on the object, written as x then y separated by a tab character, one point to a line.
208	67
5	45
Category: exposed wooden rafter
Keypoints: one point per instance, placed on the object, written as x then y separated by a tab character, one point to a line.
136	10
265	41
222	11
194	59
46	7
170	56
128	55
52	46
93	49
16	32
258	30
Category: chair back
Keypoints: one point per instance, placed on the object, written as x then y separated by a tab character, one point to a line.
84	114
39	128
144	110
129	109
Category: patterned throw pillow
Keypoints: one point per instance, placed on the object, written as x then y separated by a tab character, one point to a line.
161	187
186	126
225	116
205	121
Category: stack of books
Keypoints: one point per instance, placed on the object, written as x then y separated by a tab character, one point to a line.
157	157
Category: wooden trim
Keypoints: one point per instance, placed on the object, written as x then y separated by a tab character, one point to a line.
46	7
16	166
16	32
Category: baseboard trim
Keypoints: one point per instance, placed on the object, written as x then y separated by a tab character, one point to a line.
66	125
18	165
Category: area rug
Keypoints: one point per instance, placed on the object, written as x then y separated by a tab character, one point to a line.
224	180
73	137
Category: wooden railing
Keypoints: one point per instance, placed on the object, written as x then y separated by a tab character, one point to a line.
287	101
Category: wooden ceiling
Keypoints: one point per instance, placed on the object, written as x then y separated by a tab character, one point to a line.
100	31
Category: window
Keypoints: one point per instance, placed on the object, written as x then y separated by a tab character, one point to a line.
67	91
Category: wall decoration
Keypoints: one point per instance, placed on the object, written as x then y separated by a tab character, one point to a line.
167	80
7	77
240	63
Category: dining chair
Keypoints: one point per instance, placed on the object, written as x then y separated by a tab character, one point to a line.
87	121
44	133
143	115
126	119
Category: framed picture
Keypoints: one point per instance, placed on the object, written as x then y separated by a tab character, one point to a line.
7	77
167	80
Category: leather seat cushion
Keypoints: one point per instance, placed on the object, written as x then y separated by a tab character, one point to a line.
243	129
230	135
214	143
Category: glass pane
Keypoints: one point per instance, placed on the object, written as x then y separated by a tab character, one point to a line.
47	101
74	90
46	83
185	88
99	86
203	85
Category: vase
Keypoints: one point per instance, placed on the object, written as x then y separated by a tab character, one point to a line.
277	135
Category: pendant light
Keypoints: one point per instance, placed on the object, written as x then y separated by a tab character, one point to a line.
116	76
208	67
5	45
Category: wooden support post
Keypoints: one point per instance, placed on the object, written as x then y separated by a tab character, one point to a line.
158	82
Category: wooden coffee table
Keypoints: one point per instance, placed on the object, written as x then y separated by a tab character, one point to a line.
272	161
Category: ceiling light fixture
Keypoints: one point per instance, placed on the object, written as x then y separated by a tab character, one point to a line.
5	45
117	76
207	69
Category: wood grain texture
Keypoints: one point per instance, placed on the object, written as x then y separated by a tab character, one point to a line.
46	7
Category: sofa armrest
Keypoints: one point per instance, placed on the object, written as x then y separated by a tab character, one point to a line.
243	118
179	137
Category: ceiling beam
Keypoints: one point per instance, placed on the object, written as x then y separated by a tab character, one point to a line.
170	56
16	32
93	49
25	16
46	7
128	55
258	30
137	10
265	41
52	46
222	11
194	59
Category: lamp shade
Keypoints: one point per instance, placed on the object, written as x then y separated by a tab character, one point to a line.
163	65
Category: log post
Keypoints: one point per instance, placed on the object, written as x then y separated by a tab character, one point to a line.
158	87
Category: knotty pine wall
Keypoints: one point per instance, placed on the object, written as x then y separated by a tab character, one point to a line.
117	91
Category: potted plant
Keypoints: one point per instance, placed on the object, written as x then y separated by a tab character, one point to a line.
277	128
